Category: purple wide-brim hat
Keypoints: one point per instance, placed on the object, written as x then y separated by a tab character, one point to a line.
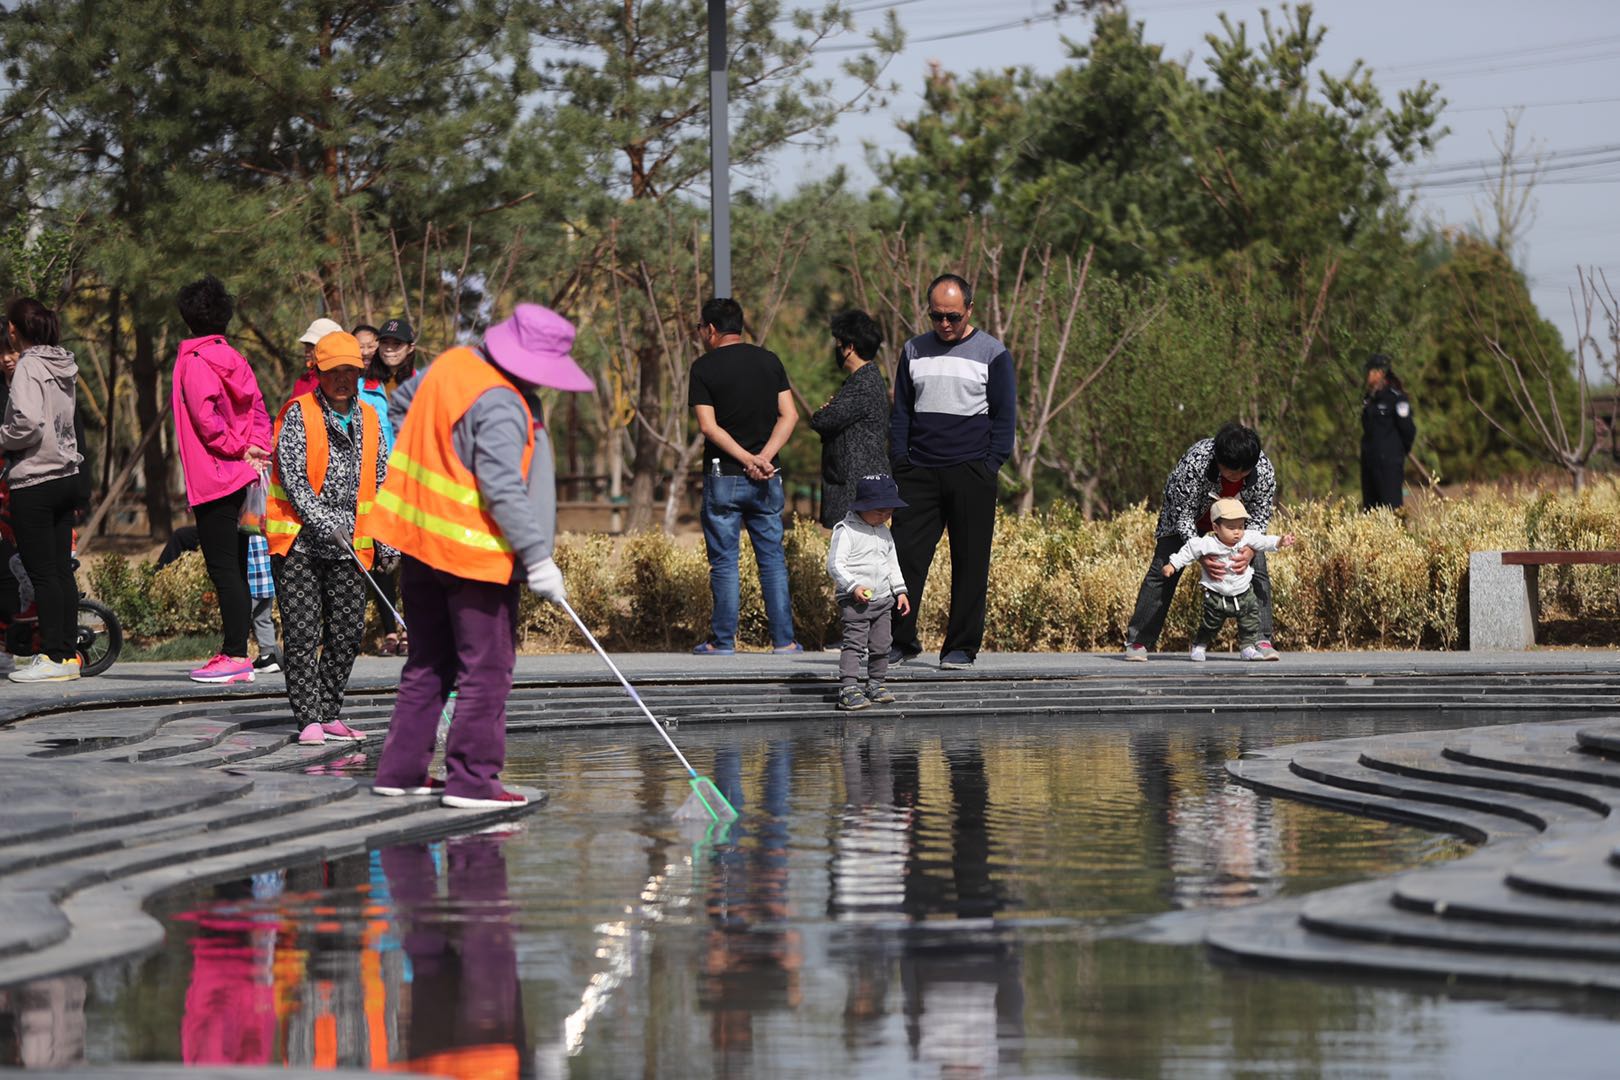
534	345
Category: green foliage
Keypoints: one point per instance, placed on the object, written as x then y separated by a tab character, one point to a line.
154	603
1478	297
36	265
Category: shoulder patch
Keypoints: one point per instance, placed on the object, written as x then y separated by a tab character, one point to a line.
1403	408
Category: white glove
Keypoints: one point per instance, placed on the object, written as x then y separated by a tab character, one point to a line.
547	581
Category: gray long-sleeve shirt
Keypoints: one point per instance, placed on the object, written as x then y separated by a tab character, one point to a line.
489	440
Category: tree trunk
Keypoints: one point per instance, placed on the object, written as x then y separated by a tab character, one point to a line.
644	468
109	440
147	384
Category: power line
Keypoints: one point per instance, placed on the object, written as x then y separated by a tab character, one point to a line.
1517	53
992	28
1536	105
1496	162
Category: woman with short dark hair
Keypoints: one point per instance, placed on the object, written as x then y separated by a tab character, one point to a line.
1387	434
223	434
42	468
854	424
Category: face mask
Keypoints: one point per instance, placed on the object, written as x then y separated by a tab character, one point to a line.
838	356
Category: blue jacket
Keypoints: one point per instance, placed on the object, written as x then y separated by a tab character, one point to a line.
374	394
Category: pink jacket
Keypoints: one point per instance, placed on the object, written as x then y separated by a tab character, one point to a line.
218	414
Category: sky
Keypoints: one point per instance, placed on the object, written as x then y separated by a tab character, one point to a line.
1559	59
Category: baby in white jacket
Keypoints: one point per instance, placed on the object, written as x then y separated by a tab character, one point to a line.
1231	596
866	578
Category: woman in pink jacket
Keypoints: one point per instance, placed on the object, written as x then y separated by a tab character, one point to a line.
223	433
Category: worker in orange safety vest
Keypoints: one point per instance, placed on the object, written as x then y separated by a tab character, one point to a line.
323	487
470	502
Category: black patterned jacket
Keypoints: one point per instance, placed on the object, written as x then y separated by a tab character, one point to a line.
1195	483
854	429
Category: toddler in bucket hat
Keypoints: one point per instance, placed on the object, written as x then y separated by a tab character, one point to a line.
865	569
1232	595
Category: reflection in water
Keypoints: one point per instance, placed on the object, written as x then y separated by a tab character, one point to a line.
898	898
405	959
46	1028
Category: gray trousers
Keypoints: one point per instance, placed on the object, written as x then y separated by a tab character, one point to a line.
868	635
1244	607
264	625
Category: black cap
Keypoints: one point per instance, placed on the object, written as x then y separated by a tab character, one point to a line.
398	329
876	493
1380	362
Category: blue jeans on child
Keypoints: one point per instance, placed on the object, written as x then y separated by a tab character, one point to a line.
729	504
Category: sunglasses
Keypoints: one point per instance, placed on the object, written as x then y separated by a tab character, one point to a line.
952	317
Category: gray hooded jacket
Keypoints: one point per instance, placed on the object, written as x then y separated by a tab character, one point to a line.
37	432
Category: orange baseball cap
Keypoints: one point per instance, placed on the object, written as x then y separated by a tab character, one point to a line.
337	350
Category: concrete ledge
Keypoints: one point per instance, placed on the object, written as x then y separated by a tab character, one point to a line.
1501	607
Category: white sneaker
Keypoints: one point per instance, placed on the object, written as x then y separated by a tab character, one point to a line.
1136	652
1197	654
44	669
1252	653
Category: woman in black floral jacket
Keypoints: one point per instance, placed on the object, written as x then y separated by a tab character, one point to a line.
1229	466
854	424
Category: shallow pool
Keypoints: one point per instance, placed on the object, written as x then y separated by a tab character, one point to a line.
912	898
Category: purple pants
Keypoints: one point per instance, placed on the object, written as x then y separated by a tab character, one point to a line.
463	638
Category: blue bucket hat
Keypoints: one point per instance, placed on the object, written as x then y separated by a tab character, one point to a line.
876	493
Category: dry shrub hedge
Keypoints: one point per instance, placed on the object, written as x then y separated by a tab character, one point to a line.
1057	581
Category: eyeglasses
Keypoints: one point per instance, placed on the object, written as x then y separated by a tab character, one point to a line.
952	317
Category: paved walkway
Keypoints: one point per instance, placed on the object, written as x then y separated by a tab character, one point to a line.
138	782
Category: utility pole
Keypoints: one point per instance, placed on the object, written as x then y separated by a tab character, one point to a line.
719	151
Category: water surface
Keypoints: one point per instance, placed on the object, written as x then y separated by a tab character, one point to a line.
899	898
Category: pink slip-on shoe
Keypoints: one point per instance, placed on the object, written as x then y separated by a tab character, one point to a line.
337	729
224	669
312	735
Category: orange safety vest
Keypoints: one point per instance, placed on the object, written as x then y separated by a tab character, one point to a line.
430	507
282	523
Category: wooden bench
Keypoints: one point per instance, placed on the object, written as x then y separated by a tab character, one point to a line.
1503	592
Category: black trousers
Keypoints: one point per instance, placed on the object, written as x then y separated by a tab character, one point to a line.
959	500
1382	477
224	549
42	518
1153	600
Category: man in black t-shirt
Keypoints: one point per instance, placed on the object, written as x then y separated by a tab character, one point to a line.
745	410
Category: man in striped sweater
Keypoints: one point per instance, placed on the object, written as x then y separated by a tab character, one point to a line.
950	431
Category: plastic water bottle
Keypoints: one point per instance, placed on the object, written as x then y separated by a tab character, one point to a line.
446	714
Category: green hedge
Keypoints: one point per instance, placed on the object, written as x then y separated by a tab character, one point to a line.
1057	581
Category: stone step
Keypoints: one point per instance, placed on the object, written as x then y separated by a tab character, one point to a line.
1430	765
242	748
1273	935
1573	867
1343	769
1601	739
105	919
1551	759
44	800
42	871
1275	776
1362	912
1480	894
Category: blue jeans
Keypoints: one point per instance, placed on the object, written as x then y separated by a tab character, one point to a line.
729	503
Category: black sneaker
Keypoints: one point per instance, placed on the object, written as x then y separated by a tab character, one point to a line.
956	660
878	694
267	663
850	699
897	655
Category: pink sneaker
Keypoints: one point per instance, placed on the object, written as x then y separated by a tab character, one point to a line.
342	732
224	669
495	802
312	735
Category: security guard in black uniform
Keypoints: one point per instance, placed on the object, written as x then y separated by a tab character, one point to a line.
1387	432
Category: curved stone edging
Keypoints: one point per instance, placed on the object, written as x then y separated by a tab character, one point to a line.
1537	904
